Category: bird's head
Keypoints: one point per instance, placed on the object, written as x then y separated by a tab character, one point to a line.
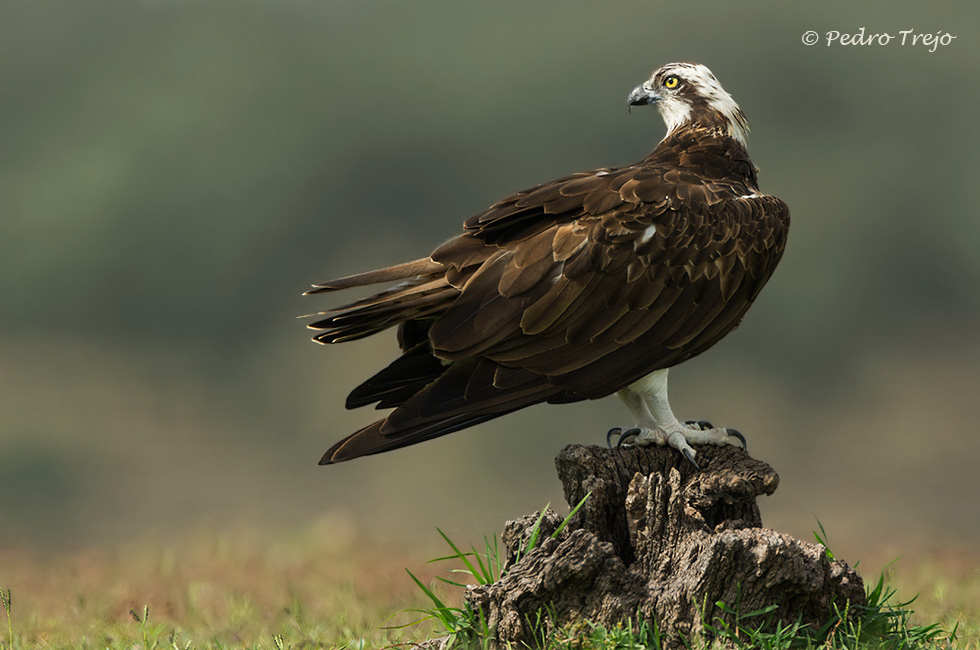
688	93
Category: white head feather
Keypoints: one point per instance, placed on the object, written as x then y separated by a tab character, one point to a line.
697	85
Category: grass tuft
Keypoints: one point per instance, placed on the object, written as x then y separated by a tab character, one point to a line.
592	636
884	623
465	625
7	598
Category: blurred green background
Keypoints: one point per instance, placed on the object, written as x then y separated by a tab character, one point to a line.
173	174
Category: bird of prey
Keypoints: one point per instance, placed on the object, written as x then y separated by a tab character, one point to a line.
592	284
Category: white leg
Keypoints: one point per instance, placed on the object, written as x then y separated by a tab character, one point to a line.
647	401
643	420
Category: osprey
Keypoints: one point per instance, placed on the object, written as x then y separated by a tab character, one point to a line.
576	289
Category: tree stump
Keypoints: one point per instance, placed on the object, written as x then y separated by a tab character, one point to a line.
661	540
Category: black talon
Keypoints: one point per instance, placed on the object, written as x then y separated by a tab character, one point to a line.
704	425
616	431
629	433
689	455
735	433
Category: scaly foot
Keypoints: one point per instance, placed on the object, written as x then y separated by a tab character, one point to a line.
680	437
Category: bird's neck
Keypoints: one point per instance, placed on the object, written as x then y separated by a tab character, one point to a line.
706	150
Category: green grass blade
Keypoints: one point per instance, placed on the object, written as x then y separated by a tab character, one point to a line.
571	514
485	577
451	582
462	556
760	612
821	539
532	541
428	592
445	558
425	618
493	559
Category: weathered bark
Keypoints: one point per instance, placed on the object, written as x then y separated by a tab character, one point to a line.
661	540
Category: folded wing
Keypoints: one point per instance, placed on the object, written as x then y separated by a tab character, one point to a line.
567	291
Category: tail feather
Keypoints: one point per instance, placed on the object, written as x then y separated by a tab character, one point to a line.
430	396
423	266
360	322
402	290
370	440
459	398
424	291
403	378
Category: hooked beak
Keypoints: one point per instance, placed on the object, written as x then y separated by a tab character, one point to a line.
642	96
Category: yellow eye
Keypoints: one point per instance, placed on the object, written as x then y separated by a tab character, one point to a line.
671	82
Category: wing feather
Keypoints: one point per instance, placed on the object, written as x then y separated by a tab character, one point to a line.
569	290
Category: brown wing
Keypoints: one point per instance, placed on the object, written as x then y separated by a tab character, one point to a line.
596	303
567	291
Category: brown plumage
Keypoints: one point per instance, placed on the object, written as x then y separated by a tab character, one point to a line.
574	289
